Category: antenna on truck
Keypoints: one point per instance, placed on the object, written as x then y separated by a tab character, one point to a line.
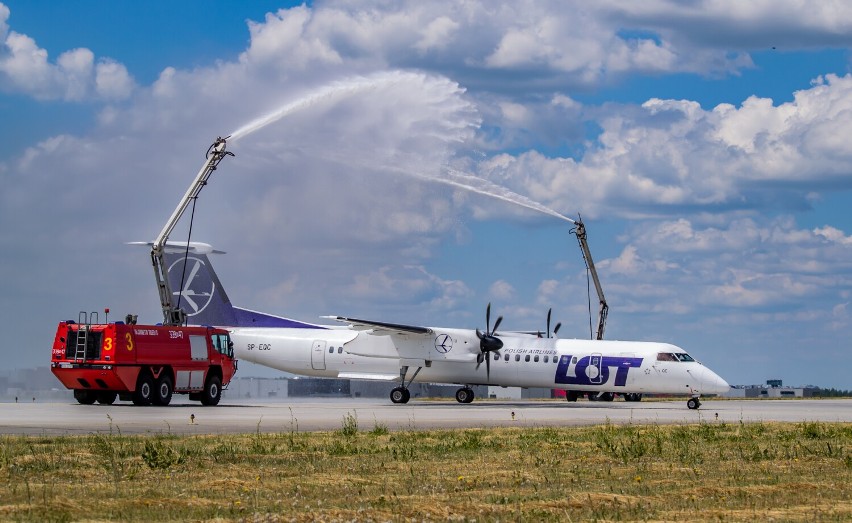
174	315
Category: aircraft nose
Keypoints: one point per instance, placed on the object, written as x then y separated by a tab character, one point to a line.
713	383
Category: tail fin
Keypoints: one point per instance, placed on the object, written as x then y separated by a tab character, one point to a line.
201	295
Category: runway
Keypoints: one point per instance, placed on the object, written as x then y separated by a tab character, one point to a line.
301	414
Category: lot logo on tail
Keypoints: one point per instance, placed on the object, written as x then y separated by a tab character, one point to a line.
198	287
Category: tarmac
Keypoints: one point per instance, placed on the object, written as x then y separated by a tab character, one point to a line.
327	414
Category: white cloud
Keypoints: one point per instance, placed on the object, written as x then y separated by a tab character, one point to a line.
112	81
672	154
501	290
25	68
437	34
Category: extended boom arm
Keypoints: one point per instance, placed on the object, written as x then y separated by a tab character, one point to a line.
580	231
173	315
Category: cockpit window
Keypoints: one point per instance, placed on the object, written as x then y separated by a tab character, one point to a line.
674	356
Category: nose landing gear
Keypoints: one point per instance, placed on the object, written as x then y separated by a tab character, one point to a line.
693	403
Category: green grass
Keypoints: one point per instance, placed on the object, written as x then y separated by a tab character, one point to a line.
705	472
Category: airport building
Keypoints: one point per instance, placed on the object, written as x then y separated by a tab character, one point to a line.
772	389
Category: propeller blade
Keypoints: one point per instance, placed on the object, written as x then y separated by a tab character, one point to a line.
496	324
488	319
479	334
488	367
556	329
549	311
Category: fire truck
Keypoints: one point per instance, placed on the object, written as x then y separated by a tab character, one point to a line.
144	364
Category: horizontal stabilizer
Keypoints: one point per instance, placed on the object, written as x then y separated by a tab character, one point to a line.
180	247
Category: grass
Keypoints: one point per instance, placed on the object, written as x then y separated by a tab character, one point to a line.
704	472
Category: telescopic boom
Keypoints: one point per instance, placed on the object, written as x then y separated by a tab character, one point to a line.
173	315
580	231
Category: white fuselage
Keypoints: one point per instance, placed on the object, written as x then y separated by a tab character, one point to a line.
453	356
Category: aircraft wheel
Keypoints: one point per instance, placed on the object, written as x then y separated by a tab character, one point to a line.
84	397
693	403
144	390
633	396
400	395
571	395
464	395
107	398
163	391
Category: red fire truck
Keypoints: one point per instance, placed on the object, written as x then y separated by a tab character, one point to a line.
144	364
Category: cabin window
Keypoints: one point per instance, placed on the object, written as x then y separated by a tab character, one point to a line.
527	357
506	357
331	350
666	356
340	350
517	357
536	358
574	360
546	359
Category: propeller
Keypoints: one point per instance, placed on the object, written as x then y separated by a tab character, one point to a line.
555	329
488	342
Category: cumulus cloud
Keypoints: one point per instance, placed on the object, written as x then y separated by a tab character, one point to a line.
745	264
75	76
501	290
668	156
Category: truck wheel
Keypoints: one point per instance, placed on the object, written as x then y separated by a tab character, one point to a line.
85	397
163	391
107	398
144	390
212	391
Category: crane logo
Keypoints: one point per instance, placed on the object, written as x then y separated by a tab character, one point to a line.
444	343
198	288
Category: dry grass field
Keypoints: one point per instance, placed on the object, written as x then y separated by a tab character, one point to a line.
705	472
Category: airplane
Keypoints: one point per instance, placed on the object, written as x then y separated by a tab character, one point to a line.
376	350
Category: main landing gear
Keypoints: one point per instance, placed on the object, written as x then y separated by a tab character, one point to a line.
693	403
464	395
401	394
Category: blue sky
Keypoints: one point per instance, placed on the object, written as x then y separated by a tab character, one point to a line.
705	144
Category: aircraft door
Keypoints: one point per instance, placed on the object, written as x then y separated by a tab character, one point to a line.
594	371
318	355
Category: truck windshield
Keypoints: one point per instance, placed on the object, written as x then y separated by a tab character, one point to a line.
222	343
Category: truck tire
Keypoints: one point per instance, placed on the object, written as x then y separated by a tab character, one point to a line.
107	398
163	391
144	390
84	397
212	391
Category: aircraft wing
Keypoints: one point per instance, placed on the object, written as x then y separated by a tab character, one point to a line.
381	328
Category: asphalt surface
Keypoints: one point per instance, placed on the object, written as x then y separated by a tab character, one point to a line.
302	414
